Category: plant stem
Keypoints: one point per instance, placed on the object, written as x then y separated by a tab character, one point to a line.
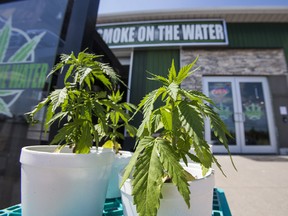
174	141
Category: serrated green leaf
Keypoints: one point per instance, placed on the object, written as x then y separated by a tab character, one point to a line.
110	73
166	118
104	80
131	130
201	97
185	72
84	73
85	141
130	107
191	118
202	150
193	157
147	182
172	72
38	107
64	134
218	164
58	116
68	73
172	90
58	97
157	123
48	117
159	78
170	161
141	145
147	104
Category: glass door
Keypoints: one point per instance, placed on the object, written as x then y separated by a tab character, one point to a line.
244	106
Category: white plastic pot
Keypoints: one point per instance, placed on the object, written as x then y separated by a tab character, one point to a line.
201	197
120	162
64	184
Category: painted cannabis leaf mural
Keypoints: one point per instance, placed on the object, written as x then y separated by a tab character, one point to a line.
5	106
24	54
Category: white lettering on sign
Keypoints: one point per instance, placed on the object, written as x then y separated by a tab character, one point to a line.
124	35
203	32
188	32
161	32
131	34
116	35
198	33
141	34
176	32
219	31
212	32
169	32
145	33
150	34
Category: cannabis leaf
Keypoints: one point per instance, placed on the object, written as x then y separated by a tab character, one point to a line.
148	178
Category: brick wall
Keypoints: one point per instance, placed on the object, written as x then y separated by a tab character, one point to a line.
233	62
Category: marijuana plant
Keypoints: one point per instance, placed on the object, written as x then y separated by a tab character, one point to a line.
83	108
117	116
166	135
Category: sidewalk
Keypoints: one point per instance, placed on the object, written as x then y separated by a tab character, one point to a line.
259	188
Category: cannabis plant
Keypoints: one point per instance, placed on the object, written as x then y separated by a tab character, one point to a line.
166	135
79	104
117	117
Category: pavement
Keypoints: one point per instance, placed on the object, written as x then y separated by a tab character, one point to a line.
258	188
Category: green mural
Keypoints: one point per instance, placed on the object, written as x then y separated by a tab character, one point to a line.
17	68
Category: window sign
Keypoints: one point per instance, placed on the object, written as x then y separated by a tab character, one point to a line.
29	38
165	33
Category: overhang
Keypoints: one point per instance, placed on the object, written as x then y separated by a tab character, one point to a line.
230	15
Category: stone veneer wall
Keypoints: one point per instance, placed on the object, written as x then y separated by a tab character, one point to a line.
233	62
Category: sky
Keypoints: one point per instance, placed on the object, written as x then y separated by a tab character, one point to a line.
124	6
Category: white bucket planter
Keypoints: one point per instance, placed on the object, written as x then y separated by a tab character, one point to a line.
201	197
120	162
64	184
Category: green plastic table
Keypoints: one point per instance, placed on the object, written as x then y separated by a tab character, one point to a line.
113	207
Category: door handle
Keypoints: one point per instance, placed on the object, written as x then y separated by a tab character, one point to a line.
238	117
243	117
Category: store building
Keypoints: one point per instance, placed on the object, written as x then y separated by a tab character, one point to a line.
243	54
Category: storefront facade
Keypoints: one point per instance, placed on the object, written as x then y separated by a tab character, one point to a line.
243	66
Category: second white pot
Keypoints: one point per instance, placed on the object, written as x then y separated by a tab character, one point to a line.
201	197
120	162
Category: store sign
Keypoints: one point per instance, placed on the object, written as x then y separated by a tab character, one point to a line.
165	33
